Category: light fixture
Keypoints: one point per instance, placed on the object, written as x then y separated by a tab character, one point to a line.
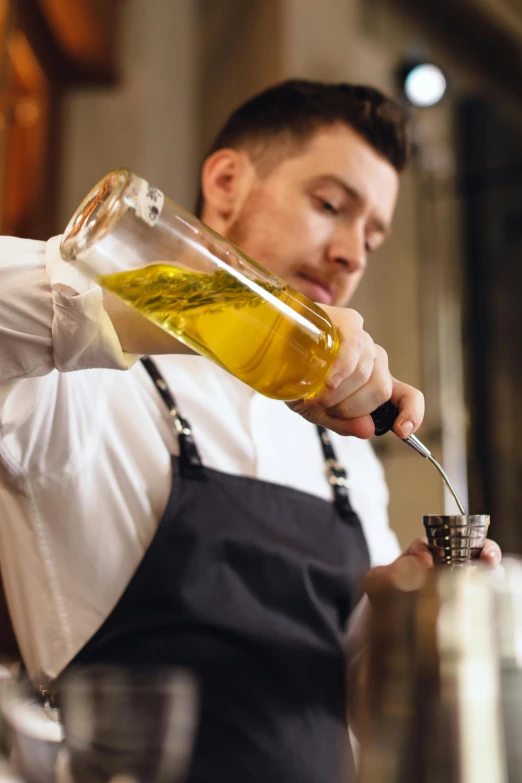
423	83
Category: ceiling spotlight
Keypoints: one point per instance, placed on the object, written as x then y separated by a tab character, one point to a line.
423	84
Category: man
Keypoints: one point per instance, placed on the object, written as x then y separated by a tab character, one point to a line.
240	558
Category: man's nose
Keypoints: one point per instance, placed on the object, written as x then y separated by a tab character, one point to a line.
348	247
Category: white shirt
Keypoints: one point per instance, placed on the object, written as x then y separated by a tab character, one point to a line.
85	456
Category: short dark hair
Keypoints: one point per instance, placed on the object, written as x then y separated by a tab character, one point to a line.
297	108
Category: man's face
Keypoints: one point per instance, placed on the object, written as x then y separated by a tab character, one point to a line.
314	219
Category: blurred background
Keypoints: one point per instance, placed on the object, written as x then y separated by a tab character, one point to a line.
91	85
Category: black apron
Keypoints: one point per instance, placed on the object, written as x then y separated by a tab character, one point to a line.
249	584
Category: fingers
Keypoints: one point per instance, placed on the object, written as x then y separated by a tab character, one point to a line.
410	402
363	427
409	571
360	360
358	382
419	548
365	389
491	554
347	409
359	379
352	343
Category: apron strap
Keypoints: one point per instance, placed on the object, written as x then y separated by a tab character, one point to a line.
337	476
191	463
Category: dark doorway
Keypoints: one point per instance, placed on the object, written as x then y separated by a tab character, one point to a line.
491	178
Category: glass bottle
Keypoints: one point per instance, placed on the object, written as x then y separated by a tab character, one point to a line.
162	261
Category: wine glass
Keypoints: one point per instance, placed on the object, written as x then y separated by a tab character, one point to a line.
135	724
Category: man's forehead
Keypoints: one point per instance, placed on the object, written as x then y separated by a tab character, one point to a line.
331	141
340	153
338	140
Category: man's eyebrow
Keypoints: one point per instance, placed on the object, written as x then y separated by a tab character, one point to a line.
352	191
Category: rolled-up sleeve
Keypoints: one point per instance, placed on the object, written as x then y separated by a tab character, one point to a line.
51	317
52	322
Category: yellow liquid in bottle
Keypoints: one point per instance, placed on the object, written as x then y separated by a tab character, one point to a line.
281	345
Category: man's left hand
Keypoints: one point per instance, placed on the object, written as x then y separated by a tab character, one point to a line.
381	581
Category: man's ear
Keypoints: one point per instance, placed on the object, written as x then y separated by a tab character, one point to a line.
226	179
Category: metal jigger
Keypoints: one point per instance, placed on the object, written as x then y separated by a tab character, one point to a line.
456	539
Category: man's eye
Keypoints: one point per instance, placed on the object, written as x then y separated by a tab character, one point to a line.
371	246
328	207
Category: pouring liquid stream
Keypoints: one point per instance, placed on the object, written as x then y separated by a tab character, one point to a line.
384	418
448	484
421	449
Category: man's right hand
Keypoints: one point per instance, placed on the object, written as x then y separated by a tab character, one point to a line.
358	382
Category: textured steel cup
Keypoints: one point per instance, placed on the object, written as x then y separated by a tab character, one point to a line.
456	539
